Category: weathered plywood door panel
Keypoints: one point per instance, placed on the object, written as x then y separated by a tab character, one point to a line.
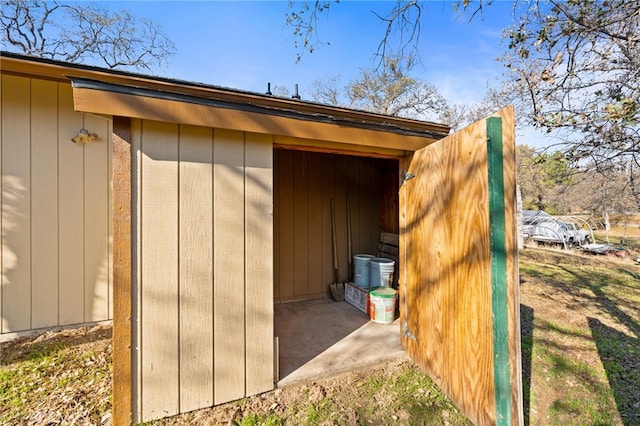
196	268
159	270
229	261
511	291
459	310
16	205
258	182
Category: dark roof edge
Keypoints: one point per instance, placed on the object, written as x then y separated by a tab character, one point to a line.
235	96
84	83
121	73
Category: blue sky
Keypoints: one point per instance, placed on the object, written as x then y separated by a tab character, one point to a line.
245	44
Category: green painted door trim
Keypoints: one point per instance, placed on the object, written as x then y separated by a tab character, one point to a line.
500	314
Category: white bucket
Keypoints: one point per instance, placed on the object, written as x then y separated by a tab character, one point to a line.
381	272
361	269
382	305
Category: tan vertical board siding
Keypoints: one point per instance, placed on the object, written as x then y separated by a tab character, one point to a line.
159	270
389	191
276	228
259	263
361	222
44	203
196	270
352	173
328	178
110	214
445	235
342	187
97	206
229	261
205	253
55	209
16	204
315	231
285	217
71	213
373	174
301	278
136	271
355	196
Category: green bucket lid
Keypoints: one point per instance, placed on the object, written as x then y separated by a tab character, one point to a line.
384	292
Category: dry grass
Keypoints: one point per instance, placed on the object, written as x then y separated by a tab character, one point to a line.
57	378
580	347
581	338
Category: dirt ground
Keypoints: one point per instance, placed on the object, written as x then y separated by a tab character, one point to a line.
350	399
63	389
58	377
64	377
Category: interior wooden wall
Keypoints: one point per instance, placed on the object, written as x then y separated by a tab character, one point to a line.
304	185
204	267
56	226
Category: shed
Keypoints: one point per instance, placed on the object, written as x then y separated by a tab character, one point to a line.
215	206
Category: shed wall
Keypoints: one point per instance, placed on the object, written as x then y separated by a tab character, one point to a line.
204	267
56	226
305	184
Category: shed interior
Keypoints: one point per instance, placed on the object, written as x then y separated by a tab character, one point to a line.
305	185
364	192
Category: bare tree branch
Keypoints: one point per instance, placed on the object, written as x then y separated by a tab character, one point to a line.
403	20
388	90
90	33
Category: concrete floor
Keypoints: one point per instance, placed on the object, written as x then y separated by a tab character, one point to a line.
323	338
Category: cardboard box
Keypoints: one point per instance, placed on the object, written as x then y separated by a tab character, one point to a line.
356	296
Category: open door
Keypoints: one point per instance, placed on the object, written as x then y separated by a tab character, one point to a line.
460	316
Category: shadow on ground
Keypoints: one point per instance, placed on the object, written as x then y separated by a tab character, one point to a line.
526	338
621	360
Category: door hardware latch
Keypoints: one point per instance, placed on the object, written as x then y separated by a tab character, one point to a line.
407	333
406	176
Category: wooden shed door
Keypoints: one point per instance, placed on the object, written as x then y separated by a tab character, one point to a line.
459	279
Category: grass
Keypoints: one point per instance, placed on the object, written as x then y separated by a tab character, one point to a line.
55	381
625	235
407	395
581	342
261	420
382	396
38	374
580	318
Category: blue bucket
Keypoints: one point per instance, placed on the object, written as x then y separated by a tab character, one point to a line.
361	270
381	272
